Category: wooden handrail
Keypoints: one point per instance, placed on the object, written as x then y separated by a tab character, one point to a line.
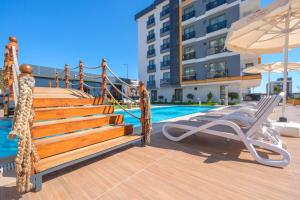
81	75
66	75
56	80
104	81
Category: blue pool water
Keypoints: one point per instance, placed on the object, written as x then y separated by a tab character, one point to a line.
9	147
164	113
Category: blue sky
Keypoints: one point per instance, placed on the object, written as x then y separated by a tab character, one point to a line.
52	33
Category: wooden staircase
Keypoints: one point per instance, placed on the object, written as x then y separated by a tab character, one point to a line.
71	124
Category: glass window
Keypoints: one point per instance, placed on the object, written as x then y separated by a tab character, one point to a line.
166	41
166	76
165	7
166	24
151	32
249	65
188	29
216	70
188	10
219	42
188	71
166	58
151	62
151	78
150	47
151	17
216	20
188	50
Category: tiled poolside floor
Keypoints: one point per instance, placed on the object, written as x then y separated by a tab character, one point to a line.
200	167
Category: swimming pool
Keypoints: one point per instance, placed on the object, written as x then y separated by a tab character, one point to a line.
9	147
164	113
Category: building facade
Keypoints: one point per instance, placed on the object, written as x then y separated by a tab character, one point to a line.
181	49
277	86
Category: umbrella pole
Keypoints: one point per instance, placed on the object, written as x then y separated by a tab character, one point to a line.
286	59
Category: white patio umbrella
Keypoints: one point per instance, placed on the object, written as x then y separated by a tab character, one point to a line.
272	67
271	30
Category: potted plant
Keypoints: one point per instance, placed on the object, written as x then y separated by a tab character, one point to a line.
190	97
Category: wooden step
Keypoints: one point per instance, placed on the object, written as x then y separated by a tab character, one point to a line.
53	127
60	91
55	145
66	112
61	102
54	161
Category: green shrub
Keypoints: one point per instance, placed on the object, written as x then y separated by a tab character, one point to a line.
209	97
233	95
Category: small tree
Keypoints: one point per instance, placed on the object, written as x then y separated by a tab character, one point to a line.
209	97
233	95
190	97
277	89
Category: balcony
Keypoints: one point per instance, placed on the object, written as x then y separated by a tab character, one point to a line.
164	31
165	65
188	15
189	35
151	38
151	68
189	56
217	26
214	4
165	82
150	53
215	50
151	22
164	47
190	77
151	84
217	74
164	14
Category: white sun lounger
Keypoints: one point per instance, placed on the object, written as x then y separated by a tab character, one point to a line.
245	134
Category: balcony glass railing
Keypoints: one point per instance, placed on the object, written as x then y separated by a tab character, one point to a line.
165	81
151	84
165	46
189	56
151	22
216	26
151	52
164	29
164	12
215	50
189	77
217	74
188	15
150	37
151	68
165	64
189	35
214	4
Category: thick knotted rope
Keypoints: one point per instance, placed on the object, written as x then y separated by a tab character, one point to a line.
23	118
148	123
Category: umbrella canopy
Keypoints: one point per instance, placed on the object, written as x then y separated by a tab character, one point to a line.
272	67
271	30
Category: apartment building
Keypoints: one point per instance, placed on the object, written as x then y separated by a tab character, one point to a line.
278	85
181	49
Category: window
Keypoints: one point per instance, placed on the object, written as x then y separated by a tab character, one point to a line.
166	24
151	50
151	47
188	10
216	46
166	58
216	70
151	35
217	20
189	53
151	20
188	50
166	41
152	78
188	32
166	76
189	73
249	65
151	62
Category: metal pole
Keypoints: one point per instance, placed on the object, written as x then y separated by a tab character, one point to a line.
286	59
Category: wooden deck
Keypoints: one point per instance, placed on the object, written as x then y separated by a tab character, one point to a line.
200	167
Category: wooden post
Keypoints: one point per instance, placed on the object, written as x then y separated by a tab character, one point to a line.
6	80
142	107
66	75
56	80
104	81
81	74
50	84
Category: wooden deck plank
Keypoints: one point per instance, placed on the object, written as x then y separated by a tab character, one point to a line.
60	102
80	153
53	127
68	142
66	112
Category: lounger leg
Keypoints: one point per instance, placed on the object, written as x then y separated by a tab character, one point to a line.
37	182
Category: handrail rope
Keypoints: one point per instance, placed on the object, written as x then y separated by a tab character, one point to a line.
93	77
98	67
99	87
74	68
109	69
120	91
133	115
16	73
